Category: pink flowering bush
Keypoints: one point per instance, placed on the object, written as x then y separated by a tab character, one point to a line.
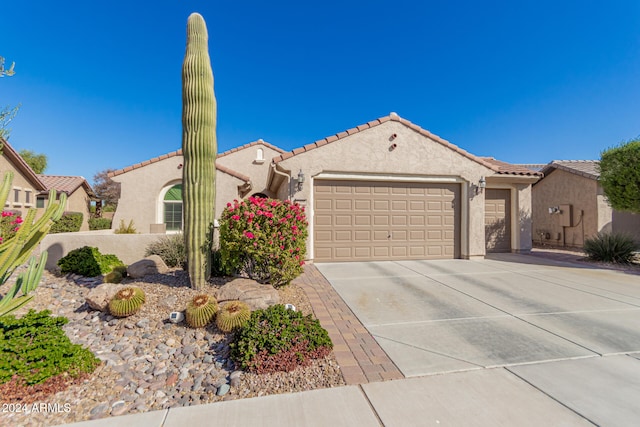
9	225
264	239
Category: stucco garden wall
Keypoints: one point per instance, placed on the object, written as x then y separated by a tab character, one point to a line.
368	152
561	187
128	247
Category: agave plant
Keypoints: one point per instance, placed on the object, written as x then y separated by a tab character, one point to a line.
16	250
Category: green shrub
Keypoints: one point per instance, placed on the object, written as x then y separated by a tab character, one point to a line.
217	268
88	261
125	229
69	223
277	339
99	223
264	239
35	348
611	247
170	248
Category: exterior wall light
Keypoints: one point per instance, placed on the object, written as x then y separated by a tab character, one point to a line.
300	180
482	184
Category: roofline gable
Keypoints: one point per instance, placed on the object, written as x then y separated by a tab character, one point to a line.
557	164
394	117
12	155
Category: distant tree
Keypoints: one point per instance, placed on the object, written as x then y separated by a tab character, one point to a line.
37	162
4	71
620	175
106	188
6	115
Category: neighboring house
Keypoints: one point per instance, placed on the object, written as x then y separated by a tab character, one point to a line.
31	190
27	186
151	191
569	205
79	194
384	190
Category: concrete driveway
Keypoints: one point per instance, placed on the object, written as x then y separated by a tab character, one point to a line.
571	332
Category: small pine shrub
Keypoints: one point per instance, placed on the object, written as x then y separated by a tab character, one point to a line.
126	229
170	248
232	315
277	339
35	348
88	261
611	247
201	310
99	223
264	239
69	223
127	302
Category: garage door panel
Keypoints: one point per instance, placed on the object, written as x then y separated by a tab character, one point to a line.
359	220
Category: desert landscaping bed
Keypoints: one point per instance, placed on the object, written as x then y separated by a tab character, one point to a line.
148	363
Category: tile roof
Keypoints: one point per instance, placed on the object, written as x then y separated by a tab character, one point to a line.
586	168
67	184
501	168
510	168
251	144
219	167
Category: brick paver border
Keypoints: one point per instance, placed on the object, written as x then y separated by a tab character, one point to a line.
359	356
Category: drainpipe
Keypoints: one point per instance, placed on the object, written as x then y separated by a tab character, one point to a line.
275	170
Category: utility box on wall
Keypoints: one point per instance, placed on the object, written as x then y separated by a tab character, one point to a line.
566	215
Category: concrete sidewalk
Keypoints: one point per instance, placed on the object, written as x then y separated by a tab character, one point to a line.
564	393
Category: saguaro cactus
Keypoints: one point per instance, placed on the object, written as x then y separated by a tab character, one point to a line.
199	147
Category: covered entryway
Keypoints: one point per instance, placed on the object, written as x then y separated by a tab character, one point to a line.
379	220
497	220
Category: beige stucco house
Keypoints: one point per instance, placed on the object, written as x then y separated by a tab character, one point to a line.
151	191
384	190
569	205
31	190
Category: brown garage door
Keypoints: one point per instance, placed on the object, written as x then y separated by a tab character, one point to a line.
497	220
362	220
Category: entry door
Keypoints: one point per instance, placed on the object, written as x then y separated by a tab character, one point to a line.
497	220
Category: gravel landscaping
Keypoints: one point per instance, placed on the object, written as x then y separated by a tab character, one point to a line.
148	362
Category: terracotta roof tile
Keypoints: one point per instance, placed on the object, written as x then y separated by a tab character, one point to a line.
233	173
510	169
66	184
251	144
587	168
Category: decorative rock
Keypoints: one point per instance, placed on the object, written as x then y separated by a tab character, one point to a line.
223	389
118	408
143	323
99	297
152	264
254	294
99	410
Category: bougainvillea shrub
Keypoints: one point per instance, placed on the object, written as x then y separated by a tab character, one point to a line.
264	239
9	225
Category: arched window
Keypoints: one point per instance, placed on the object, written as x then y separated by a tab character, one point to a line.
173	208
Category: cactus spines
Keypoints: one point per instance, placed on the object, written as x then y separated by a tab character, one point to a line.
199	147
127	301
201	310
233	315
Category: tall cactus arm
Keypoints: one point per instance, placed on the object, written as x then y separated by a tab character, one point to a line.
26	282
5	187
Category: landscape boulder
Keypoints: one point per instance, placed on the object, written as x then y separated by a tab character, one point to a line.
152	264
254	294
98	298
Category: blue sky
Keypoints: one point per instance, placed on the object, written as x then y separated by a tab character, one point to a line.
526	82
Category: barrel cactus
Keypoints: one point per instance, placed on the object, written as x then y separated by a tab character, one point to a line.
233	315
201	310
127	301
199	147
